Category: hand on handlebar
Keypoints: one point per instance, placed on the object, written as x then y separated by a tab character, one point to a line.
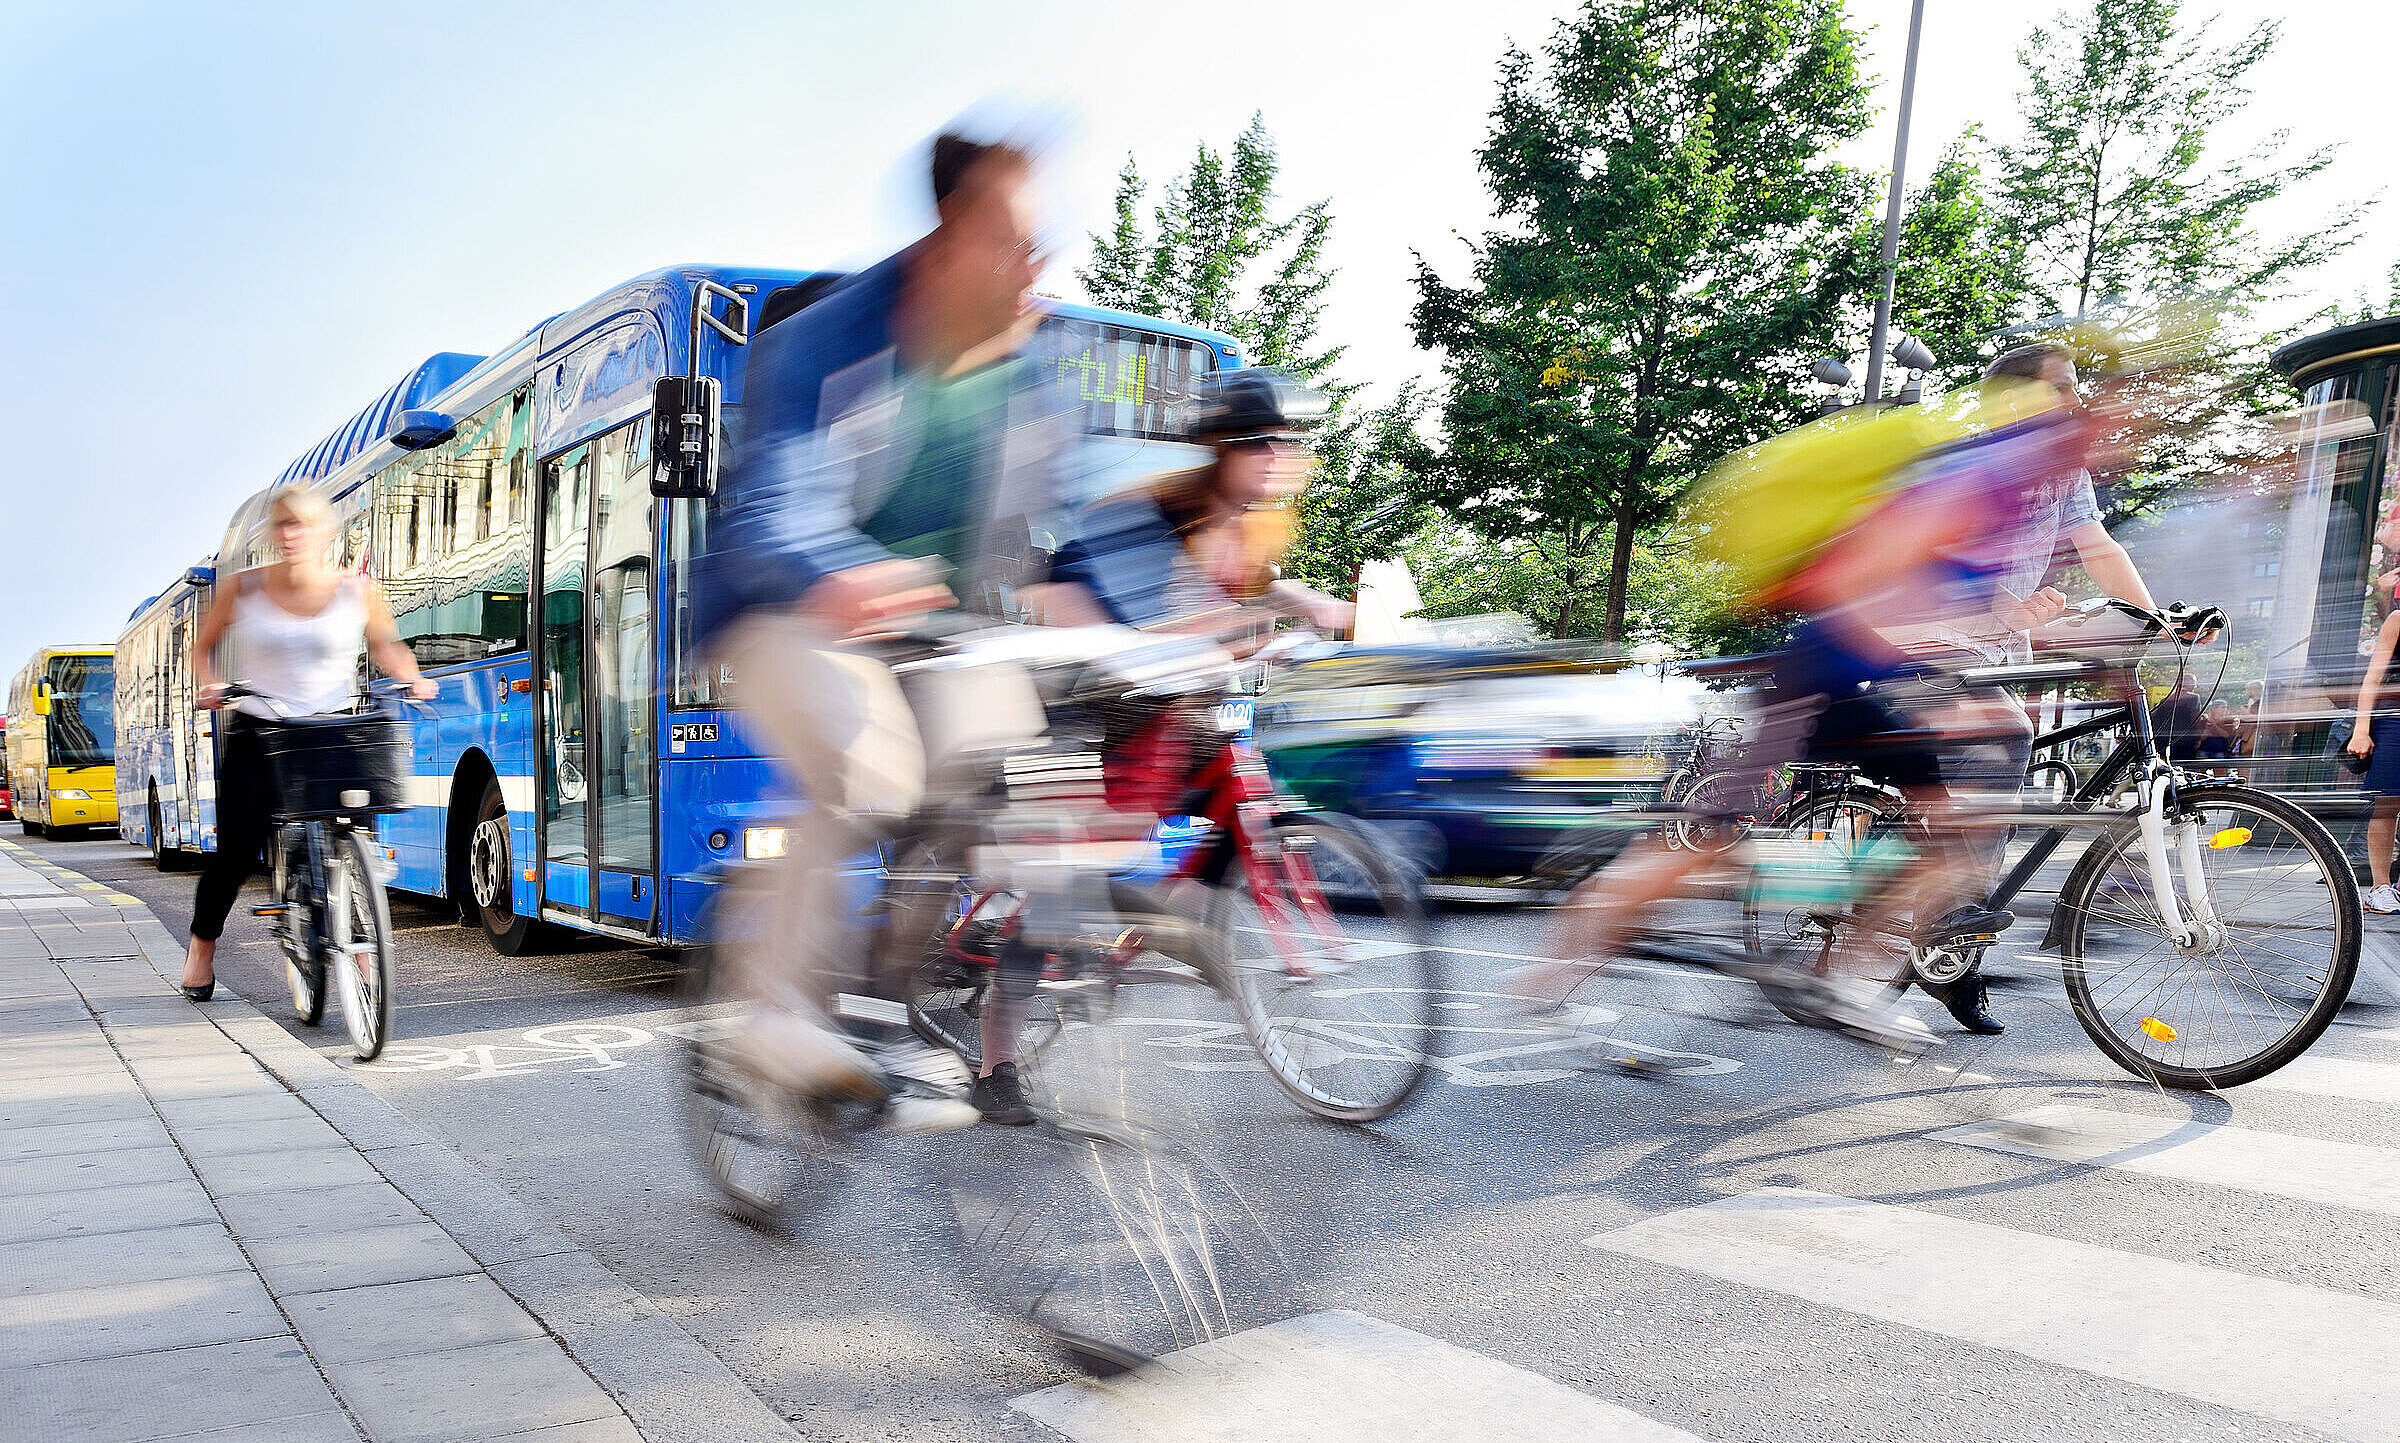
871	598
2026	613
213	697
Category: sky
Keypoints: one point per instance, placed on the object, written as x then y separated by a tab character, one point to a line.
226	229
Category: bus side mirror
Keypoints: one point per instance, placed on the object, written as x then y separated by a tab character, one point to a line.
416	430
684	437
41	699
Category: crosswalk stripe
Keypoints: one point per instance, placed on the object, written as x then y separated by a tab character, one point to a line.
2336	1077
2318	1170
1335	1377
2296	1354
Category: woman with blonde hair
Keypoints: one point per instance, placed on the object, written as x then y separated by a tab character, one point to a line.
298	626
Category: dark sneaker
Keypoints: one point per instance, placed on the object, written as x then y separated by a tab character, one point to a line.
1966	923
1001	1098
1965	998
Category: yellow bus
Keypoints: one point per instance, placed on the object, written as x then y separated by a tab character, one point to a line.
62	739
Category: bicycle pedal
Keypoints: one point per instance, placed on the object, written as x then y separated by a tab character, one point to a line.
273	909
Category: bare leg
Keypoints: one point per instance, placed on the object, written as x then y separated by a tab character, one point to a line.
1596	919
2382	827
200	959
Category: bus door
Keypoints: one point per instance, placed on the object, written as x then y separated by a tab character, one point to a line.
597	758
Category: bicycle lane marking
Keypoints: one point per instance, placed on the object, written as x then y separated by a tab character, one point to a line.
2261	1346
1335	1377
1503	1051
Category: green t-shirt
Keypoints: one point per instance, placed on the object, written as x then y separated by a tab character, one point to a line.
958	423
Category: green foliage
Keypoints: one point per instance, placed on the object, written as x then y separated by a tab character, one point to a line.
1364	502
1674	246
2112	191
2123	216
1961	273
1212	253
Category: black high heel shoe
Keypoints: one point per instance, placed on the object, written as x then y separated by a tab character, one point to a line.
202	992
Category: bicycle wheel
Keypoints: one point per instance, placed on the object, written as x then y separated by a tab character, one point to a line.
1121	1243
359	944
296	931
923	900
1806	931
1333	977
2241	1003
748	1151
1719	811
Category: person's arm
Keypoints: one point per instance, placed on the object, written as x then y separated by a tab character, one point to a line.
2108	565
209	688
2387	637
384	647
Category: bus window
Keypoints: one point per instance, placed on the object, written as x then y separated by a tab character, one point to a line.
454	549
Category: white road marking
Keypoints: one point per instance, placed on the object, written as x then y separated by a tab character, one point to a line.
2336	1077
2342	1174
1334	1377
2300	1355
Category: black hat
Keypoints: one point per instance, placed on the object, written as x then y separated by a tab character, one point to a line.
1254	402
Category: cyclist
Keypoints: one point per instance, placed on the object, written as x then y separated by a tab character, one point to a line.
1930	567
2040	465
1202	550
901	454
296	628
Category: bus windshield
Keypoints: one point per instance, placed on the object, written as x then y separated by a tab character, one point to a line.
82	729
1131	382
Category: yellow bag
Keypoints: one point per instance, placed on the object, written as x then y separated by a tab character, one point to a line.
1771	508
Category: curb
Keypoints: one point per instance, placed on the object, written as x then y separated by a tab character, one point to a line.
672	1387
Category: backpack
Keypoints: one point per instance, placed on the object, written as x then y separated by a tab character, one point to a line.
1772	508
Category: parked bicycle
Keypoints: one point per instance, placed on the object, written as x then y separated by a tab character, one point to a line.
333	775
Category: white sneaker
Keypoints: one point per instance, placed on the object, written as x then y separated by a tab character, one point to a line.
914	1115
784	1049
2383	899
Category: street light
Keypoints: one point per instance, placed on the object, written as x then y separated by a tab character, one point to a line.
1891	208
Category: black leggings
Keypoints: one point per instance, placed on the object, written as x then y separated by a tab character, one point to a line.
245	802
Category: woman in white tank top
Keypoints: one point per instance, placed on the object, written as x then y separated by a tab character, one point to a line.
292	632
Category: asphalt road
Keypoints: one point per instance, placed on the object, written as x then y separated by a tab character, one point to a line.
1533	1246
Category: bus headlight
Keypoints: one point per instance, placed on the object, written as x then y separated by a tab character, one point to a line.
70	794
763	844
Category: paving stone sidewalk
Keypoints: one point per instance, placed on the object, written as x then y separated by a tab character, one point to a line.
195	1244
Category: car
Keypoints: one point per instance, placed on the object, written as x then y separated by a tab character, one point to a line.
1473	760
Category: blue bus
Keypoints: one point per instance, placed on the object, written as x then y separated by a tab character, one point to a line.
166	792
580	768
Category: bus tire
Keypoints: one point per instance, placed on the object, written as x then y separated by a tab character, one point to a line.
491	866
162	856
32	827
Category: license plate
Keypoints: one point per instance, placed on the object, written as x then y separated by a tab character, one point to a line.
1236	714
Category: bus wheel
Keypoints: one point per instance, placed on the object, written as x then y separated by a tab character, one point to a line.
162	856
32	827
491	873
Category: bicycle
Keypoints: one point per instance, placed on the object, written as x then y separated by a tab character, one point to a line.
330	915
2177	861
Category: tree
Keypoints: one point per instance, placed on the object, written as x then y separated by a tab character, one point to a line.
1213	254
2112	191
1673	248
2129	224
1961	274
1364	502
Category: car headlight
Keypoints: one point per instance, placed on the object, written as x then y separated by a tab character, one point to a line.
70	794
763	844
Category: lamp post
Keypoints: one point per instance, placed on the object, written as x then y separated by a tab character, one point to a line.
1891	209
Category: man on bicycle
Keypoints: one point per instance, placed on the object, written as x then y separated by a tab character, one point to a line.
1931	575
898	458
2038	466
